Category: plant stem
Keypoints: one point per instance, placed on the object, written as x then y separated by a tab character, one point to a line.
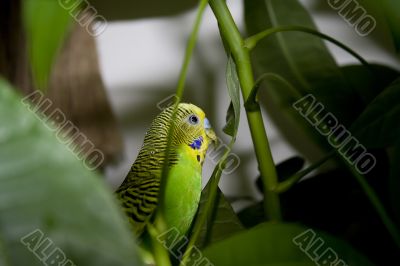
240	54
179	93
160	253
190	47
159	217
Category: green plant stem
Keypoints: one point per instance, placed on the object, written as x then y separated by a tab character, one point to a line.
179	91
159	220
189	48
161	256
240	53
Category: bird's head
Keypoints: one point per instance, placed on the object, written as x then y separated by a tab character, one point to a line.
193	129
193	126
192	132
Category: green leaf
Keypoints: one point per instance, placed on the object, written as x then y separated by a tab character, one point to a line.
274	244
222	222
286	54
278	100
378	126
301	59
43	186
46	24
233	113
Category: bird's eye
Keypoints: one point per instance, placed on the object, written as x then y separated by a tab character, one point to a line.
193	119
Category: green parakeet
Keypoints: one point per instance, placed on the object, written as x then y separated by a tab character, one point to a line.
139	191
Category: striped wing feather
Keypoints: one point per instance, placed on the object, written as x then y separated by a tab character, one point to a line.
139	200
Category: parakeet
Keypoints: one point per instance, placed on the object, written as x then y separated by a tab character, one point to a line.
139	191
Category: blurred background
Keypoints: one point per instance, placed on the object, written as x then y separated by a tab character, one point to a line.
140	61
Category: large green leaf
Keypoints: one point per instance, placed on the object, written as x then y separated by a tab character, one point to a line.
45	189
378	125
46	24
296	129
301	59
274	244
223	221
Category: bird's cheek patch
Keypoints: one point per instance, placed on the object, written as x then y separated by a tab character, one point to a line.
196	144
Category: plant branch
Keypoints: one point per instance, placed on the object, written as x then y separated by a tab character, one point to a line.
179	93
159	219
240	53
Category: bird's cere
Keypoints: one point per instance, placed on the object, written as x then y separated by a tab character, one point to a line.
207	124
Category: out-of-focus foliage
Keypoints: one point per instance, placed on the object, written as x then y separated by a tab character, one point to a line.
123	10
273	244
46	24
44	187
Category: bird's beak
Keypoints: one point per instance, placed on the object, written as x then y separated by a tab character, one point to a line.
210	132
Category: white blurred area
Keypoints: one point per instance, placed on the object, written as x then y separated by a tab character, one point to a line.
140	62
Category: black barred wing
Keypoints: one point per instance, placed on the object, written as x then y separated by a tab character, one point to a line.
139	200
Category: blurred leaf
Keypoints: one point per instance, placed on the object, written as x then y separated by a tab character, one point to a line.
273	244
304	66
279	99
46	24
44	187
301	59
378	125
233	113
221	224
135	9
